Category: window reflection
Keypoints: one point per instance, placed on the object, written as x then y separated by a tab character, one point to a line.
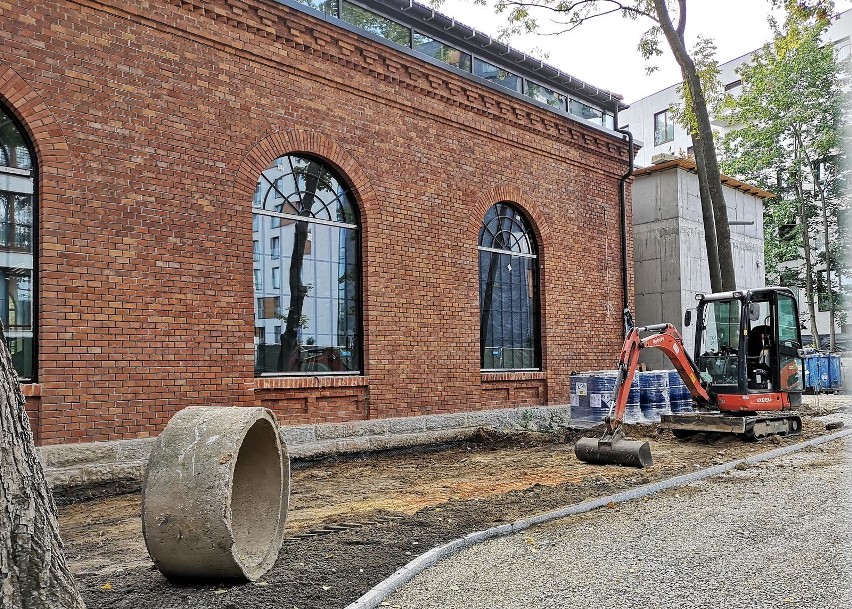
441	51
17	200
376	24
545	95
307	310
497	75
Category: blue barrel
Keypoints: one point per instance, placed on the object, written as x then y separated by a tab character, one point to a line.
677	388
654	393
823	372
633	413
601	390
592	394
680	400
580	410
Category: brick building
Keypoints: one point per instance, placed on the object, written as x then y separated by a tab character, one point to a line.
340	211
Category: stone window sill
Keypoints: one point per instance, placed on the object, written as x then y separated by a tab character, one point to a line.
31	390
309	382
490	377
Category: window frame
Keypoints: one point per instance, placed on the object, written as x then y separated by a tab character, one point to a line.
668	133
536	317
35	199
356	225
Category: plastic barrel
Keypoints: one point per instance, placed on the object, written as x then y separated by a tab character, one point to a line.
835	372
633	413
654	393
601	389
680	400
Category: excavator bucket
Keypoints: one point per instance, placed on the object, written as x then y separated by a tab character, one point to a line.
614	449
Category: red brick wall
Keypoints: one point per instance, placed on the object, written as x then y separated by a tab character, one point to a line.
151	123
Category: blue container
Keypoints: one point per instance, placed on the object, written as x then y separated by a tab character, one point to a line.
682	406
633	412
654	393
679	397
823	372
592	394
677	388
835	372
601	390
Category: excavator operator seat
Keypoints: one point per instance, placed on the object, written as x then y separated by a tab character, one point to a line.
760	352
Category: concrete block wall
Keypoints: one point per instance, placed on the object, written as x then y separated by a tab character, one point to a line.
669	248
151	123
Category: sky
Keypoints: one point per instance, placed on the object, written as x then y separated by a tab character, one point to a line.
603	51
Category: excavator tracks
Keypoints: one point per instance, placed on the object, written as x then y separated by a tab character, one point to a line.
754	426
767	424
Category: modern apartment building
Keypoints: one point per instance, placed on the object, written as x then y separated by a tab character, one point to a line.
651	122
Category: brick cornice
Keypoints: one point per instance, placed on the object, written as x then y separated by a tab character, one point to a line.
275	25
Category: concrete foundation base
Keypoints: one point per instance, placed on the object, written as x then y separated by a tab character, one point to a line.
76	467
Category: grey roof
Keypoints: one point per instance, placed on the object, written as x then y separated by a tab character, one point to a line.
430	21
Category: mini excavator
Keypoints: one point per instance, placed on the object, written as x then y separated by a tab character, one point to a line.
745	378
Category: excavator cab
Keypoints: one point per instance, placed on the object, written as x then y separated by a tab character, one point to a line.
748	343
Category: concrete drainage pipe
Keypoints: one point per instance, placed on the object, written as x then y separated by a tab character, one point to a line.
214	500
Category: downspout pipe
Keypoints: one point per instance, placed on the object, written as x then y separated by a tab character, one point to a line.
622	200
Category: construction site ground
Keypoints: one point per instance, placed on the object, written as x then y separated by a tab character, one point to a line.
354	520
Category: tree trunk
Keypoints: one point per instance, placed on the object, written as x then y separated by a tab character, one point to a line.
832	339
809	266
708	170
33	573
709	223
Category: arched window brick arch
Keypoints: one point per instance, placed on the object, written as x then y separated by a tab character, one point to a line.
18	198
51	162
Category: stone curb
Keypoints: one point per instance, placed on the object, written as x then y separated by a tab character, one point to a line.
96	464
379	593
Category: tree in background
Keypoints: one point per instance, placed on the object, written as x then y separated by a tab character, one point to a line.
33	573
788	140
669	24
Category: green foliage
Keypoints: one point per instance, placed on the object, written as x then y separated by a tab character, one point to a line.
707	67
790	119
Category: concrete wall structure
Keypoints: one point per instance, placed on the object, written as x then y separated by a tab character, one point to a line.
670	256
151	123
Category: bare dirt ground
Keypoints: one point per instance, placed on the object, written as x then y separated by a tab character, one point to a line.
406	502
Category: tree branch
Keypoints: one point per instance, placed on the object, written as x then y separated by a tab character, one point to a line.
681	21
575	6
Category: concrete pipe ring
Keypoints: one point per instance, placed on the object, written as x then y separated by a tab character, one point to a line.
215	495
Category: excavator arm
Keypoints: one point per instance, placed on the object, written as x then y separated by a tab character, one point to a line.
668	340
613	447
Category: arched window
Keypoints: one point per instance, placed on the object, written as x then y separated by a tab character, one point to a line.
307	270
17	243
508	292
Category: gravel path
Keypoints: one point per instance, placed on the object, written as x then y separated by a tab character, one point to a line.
774	535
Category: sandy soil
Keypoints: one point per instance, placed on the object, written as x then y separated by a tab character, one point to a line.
407	502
